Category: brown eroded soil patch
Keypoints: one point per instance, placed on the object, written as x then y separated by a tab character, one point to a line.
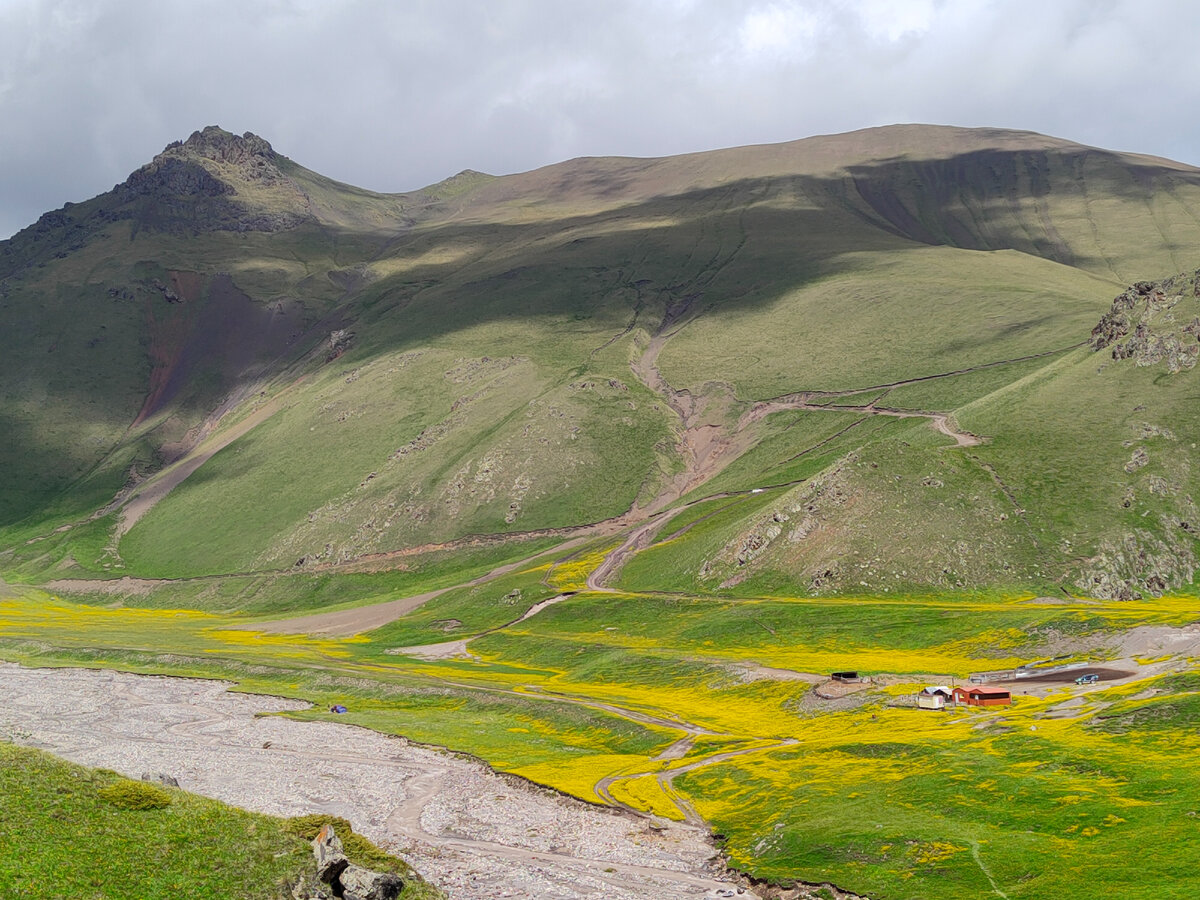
836	690
211	328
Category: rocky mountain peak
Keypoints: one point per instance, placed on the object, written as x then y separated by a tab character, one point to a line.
203	184
206	164
217	144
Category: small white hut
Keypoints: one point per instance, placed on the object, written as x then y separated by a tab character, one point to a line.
934	697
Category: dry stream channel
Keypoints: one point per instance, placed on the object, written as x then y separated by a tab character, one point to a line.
476	834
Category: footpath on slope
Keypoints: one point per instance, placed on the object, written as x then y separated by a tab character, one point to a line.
707	448
345	622
476	834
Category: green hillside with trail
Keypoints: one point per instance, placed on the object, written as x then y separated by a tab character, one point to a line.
598	471
560	348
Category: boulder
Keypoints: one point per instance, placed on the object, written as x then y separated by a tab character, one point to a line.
160	778
331	858
348	881
362	884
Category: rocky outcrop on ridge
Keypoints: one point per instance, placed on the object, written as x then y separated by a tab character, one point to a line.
213	181
1153	322
181	167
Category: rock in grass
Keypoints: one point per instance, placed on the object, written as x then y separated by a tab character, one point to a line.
331	859
362	884
160	778
302	890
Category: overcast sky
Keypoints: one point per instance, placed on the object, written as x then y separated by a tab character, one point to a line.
396	94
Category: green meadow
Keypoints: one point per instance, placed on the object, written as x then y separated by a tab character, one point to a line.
879	798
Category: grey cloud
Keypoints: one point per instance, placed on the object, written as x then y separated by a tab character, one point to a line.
393	96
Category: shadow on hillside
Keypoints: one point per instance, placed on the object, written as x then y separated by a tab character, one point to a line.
748	243
580	265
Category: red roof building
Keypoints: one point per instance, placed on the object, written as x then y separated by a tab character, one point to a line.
983	695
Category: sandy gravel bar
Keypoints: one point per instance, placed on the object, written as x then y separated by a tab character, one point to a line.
476	834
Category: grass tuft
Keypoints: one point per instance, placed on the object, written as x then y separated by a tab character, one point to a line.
127	794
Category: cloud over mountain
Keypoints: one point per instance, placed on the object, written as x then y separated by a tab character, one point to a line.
395	96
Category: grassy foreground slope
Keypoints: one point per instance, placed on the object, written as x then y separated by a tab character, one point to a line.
77	832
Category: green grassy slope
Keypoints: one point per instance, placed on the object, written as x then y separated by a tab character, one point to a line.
477	358
451	381
89	833
1084	484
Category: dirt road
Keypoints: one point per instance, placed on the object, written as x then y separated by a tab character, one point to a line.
476	834
358	619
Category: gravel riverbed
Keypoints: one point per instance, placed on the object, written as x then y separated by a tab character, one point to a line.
476	834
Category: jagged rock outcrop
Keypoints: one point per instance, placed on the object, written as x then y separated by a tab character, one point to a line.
331	858
180	168
249	150
170	175
340	878
1142	563
1152	322
198	185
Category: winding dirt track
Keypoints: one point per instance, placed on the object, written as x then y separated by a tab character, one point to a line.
666	779
364	618
450	649
677	750
707	446
476	834
719	452
940	422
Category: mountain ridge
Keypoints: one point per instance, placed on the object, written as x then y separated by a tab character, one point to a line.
679	290
256	160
